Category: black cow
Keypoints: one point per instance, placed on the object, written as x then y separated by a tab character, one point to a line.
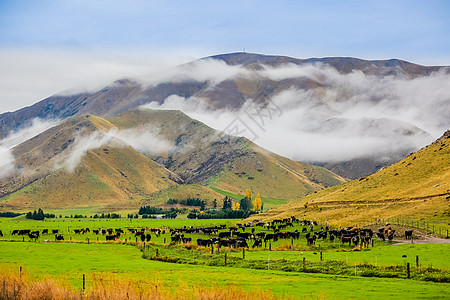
24	231
202	242
1	233
271	236
34	235
111	237
380	235
59	237
408	234
44	231
55	231
258	243
176	238
143	237
15	231
148	237
241	243
224	234
186	240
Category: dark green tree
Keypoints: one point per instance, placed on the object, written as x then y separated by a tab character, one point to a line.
215	203
246	204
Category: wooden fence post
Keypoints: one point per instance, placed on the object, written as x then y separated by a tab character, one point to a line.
84	282
320	255
407	269
417	261
243	253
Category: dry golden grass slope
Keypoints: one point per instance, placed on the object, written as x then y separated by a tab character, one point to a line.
109	175
417	187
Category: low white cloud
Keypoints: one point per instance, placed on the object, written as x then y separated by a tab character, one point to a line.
7	165
30	75
142	139
211	70
348	116
7	160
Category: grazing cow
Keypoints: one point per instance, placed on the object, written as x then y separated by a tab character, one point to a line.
380	235
15	231
245	235
186	240
241	243
24	231
55	231
96	231
44	231
408	234
177	238
224	234
391	234
59	237
258	243
111	237
310	240
143	237
271	236
202	242
77	231
355	240
34	235
148	237
346	239
1	233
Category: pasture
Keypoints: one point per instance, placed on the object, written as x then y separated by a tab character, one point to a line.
124	258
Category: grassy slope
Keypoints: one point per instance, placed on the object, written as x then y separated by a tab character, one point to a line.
116	177
415	187
263	172
113	177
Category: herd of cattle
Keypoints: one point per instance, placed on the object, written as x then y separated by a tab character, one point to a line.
238	236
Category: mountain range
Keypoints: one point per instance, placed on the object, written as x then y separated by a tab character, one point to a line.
281	126
325	101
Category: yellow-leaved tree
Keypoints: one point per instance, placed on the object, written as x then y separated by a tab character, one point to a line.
236	206
257	202
248	194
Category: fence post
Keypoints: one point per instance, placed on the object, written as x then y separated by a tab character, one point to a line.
243	253
157	252
84	282
320	255
225	259
417	261
304	263
270	246
407	269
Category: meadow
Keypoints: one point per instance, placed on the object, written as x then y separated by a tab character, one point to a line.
129	260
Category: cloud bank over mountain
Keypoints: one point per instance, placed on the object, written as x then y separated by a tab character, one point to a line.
347	116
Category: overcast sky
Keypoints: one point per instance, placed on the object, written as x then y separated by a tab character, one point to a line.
53	45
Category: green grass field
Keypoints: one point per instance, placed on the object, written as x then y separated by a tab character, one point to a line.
72	260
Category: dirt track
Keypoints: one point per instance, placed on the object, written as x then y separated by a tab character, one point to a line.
420	236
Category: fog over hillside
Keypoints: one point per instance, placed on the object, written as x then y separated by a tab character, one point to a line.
347	116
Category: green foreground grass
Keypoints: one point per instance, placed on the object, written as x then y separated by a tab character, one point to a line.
72	260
